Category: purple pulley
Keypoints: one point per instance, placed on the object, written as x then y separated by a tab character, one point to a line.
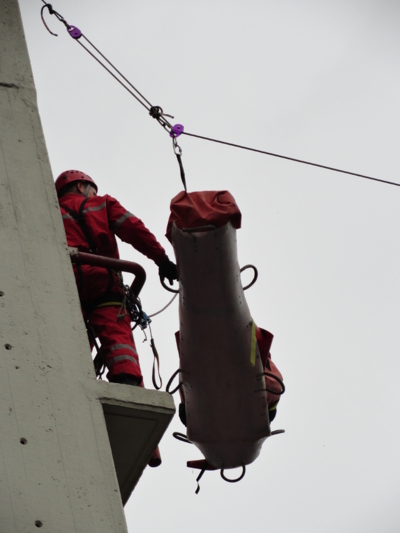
74	32
176	130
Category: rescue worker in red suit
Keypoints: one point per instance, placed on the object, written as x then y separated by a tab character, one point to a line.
91	223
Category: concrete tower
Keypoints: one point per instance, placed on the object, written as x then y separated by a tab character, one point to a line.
71	448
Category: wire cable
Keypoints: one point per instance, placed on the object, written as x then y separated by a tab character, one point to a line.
154	111
291	159
157	112
112	74
119	72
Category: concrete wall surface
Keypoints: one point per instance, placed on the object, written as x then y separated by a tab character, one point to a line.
56	466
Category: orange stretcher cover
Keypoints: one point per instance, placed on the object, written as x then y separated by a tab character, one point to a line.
204	208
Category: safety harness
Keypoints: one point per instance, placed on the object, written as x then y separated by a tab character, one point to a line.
109	298
80	219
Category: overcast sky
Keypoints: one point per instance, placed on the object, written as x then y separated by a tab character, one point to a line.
316	80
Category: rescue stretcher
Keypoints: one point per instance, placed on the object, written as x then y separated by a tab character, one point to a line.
221	369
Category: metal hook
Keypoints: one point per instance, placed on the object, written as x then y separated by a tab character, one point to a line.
53	12
50	8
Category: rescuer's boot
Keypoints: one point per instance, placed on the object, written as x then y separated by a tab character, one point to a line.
126	379
155	459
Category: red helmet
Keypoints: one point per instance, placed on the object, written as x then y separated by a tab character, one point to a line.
70	176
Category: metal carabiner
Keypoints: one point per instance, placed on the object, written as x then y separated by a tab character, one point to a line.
175	146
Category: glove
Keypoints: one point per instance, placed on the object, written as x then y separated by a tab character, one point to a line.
167	269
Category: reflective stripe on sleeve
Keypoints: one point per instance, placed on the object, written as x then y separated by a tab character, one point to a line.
95	208
121	220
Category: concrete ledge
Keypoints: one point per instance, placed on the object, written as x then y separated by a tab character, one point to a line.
136	420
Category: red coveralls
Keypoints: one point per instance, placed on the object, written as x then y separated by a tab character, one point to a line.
99	289
264	341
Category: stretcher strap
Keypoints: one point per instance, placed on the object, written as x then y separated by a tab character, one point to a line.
156	362
183	178
198	479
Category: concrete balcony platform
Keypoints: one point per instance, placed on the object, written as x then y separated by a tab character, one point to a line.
136	420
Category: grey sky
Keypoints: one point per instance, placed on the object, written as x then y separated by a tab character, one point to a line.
317	80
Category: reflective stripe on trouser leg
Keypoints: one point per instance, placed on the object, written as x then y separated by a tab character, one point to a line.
116	341
112	359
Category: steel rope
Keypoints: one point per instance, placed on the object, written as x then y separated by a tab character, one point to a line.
157	112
